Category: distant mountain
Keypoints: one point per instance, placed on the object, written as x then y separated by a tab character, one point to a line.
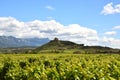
10	41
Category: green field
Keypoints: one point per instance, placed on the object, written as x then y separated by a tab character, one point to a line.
59	67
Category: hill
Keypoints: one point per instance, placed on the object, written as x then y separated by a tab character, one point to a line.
56	46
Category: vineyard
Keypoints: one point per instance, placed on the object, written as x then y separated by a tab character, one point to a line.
59	67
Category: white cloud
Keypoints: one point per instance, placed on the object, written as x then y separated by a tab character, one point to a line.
110	9
110	33
9	26
111	42
116	27
49	7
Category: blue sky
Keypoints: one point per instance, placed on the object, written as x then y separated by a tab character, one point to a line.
101	16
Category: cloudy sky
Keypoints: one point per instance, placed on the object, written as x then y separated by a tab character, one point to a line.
92	22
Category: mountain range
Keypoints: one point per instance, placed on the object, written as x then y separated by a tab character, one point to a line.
10	41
